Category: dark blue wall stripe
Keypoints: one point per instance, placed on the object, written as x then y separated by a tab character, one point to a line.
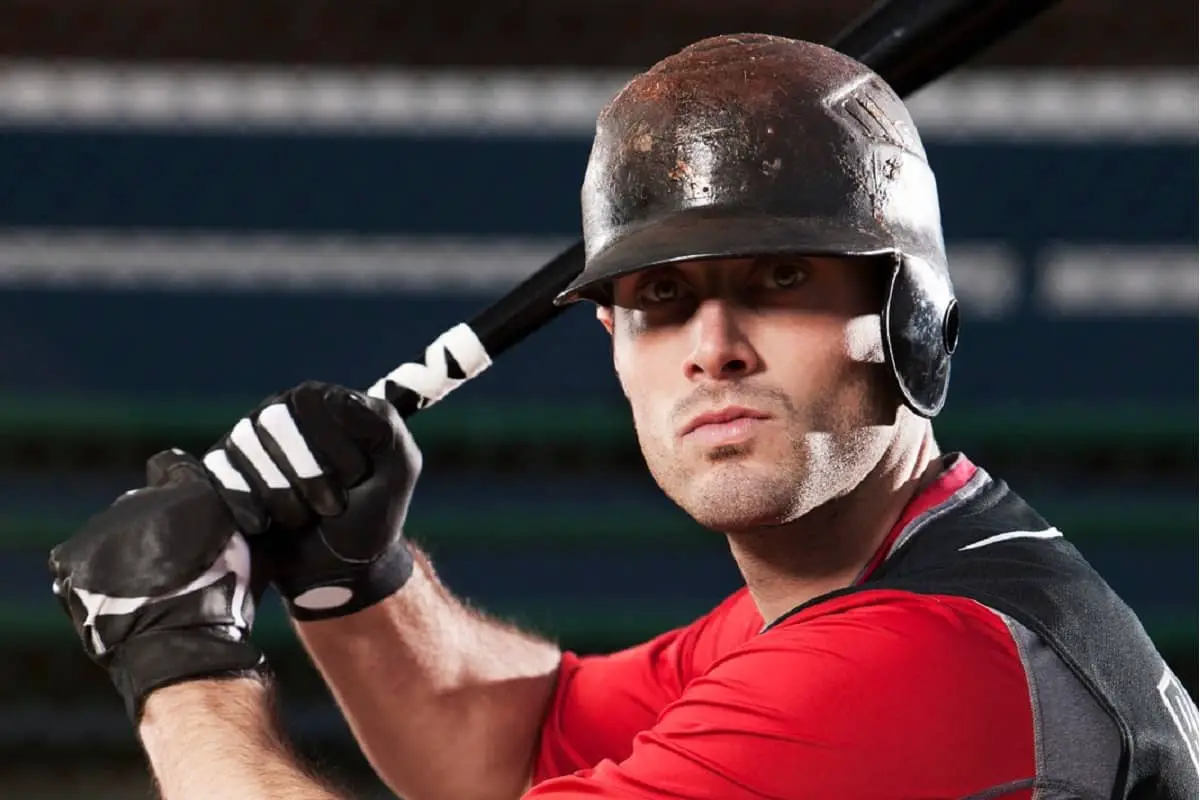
218	344
497	186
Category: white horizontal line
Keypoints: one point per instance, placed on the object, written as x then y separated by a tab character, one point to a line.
180	261
988	277
1116	280
1134	105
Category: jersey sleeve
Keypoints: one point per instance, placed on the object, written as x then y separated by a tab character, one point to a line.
601	702
911	698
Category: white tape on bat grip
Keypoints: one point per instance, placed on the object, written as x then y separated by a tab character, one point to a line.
431	380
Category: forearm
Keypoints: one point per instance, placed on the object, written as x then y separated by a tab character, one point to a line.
444	702
209	739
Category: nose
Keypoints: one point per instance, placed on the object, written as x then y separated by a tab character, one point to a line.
720	349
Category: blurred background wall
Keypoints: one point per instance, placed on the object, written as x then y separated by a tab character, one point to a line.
206	202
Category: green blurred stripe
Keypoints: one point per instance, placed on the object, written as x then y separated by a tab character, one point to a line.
573	622
1141	522
574	625
516	423
593	424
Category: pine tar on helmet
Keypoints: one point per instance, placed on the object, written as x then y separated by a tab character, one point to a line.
748	145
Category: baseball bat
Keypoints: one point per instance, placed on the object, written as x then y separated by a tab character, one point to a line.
909	43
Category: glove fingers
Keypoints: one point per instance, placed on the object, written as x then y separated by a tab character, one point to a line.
248	514
172	467
262	479
379	431
333	445
298	462
368	421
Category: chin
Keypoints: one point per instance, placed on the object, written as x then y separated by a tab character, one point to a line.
731	495
724	517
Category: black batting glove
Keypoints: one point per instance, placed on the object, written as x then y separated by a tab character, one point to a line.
158	586
320	478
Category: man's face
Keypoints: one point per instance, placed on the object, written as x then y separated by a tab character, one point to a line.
786	355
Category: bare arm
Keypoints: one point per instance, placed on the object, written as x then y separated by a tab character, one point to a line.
444	702
209	739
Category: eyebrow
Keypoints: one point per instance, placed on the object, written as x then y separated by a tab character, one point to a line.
709	266
781	258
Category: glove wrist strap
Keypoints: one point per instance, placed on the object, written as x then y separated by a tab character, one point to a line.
347	593
155	660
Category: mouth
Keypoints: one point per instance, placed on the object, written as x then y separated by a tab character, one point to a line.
728	416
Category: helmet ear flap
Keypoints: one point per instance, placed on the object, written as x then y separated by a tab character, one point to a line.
920	333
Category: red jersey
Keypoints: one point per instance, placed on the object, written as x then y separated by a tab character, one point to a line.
878	694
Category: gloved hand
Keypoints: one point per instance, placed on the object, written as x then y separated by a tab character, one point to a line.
159	586
320	478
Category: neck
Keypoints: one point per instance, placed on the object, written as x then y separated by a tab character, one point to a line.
828	548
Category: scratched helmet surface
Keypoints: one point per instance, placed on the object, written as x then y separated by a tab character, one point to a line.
749	145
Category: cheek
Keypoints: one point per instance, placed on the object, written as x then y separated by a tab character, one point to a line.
808	357
830	369
629	370
644	379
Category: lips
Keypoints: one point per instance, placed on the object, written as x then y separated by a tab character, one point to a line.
722	416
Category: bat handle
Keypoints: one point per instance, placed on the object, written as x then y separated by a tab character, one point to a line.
467	349
452	359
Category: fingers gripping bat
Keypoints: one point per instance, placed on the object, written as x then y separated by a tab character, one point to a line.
909	43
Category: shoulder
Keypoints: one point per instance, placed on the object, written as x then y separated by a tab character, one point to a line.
886	652
928	691
916	612
893	627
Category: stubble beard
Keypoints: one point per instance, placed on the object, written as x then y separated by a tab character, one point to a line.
730	490
765	482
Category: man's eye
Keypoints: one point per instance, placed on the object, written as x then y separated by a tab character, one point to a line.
784	276
660	290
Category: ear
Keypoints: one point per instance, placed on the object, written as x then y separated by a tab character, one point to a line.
607	319
605	315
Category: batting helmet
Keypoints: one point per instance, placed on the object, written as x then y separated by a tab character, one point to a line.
750	145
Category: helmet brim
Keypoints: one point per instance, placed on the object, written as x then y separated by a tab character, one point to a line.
710	235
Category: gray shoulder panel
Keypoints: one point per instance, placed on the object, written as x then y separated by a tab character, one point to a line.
1078	745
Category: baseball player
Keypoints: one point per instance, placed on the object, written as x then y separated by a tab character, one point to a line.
764	247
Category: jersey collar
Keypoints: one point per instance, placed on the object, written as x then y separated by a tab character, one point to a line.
957	475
